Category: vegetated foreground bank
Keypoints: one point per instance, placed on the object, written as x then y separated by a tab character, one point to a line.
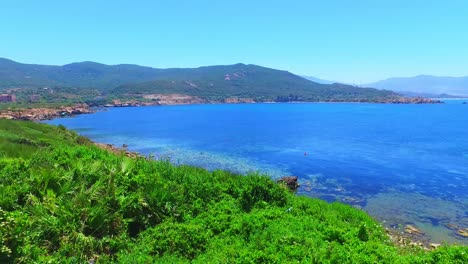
64	200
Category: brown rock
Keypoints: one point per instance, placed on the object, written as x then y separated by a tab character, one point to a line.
290	182
434	245
463	232
452	226
413	230
36	114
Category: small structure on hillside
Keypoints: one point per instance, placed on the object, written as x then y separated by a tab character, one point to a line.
7	98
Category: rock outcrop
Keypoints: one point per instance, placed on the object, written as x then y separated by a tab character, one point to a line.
413	230
119	151
37	114
171	99
290	182
463	232
238	100
411	100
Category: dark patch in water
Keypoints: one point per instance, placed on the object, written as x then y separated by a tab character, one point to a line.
434	221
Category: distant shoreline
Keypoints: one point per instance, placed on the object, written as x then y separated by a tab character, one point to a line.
48	113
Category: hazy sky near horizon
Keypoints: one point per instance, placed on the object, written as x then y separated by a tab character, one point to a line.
355	41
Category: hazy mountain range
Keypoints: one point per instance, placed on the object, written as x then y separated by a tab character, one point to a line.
317	80
425	84
421	85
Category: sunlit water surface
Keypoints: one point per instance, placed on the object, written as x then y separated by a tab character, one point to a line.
404	164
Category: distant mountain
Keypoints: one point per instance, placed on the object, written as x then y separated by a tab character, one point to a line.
250	81
82	74
239	80
428	95
425	84
317	80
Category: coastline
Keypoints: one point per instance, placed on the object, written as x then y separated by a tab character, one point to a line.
405	236
43	113
398	237
47	113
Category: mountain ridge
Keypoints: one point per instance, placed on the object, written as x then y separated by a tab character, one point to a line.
218	81
317	80
423	83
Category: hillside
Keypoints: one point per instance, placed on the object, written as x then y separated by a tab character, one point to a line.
117	81
78	75
64	200
249	81
425	84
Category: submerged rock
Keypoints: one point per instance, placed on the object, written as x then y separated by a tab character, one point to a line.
413	230
452	226
352	200
463	232
290	182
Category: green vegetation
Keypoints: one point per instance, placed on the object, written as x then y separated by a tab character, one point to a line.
21	139
250	81
78	75
51	95
63	200
98	83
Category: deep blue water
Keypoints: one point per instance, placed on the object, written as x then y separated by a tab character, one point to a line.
401	163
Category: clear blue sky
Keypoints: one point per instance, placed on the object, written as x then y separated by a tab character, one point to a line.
355	41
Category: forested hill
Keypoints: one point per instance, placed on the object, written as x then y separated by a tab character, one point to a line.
248	81
213	81
81	75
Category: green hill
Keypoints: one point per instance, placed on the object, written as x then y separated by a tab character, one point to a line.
249	81
63	200
78	75
212	82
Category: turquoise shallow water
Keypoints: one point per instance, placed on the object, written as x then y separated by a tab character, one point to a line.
404	164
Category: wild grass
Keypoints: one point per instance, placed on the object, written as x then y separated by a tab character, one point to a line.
62	202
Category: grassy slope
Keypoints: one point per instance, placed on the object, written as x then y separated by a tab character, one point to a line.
66	203
22	138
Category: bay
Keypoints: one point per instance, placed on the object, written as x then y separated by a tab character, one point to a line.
403	164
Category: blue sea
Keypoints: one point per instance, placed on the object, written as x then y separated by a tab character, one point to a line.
403	164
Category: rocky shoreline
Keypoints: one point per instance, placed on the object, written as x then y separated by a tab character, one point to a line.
410	236
412	100
44	113
38	114
405	236
181	99
119	151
